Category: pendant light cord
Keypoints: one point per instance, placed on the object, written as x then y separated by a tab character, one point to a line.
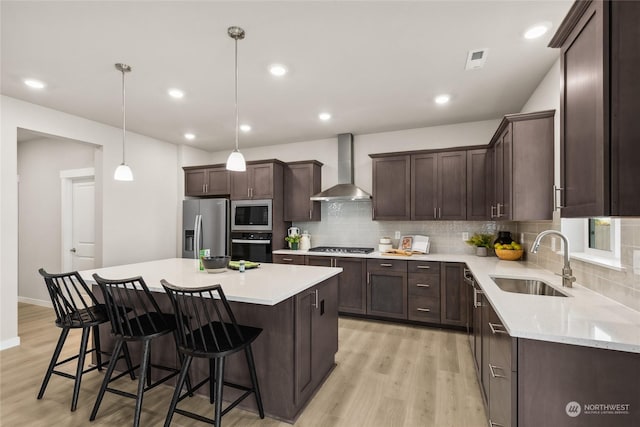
123	117
236	90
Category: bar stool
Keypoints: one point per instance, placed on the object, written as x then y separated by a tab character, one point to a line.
144	323
69	295
208	329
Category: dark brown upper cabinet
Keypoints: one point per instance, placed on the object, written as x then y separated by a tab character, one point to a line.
200	181
438	185
522	152
261	180
479	184
599	105
301	181
392	188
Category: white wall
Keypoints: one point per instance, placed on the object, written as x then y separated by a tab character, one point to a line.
547	97
326	150
138	218
40	230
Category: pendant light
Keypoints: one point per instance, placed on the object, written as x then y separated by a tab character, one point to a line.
235	161
123	172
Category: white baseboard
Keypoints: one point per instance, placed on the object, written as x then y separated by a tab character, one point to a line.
33	301
11	342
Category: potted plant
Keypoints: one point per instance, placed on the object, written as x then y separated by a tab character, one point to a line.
482	242
294	241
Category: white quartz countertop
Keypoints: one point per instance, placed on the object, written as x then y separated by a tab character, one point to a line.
269	284
583	318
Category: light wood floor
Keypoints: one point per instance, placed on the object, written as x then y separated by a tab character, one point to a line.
386	375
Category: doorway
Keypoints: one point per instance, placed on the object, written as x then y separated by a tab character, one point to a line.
78	219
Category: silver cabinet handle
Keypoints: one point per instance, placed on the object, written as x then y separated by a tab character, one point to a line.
287	259
439	213
493	372
423	267
310	214
476	292
435	211
315	303
426	310
557	198
493	209
203	190
497	328
386	265
368	278
423	285
498	214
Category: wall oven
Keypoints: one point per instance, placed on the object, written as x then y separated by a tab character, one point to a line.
251	215
248	246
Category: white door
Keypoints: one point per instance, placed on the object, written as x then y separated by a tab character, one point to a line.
83	225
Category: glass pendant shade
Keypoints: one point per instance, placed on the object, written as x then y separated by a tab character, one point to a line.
123	173
235	162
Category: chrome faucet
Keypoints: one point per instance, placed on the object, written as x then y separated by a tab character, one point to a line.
567	274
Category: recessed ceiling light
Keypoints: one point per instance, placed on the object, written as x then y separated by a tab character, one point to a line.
189	136
324	116
537	30
442	99
278	70
176	93
35	84
245	128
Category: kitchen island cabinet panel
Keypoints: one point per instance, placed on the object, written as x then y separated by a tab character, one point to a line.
352	287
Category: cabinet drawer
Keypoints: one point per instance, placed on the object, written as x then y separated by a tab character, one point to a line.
424	309
426	285
424	267
387	264
288	259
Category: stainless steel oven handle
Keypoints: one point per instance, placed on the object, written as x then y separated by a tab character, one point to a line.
253	242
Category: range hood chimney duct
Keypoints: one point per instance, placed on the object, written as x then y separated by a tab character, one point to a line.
345	190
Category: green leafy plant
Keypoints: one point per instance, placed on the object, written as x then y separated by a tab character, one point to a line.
481	240
293	239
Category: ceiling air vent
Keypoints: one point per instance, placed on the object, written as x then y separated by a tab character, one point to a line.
476	59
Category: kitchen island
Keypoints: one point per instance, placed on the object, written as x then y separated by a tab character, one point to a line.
296	306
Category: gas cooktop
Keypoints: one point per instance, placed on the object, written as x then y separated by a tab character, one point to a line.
341	250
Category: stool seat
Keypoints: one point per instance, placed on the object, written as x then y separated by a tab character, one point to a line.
204	338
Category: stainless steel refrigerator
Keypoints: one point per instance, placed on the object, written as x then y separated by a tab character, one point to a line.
205	225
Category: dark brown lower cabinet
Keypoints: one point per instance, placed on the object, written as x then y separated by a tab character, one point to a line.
453	295
424	291
289	259
532	383
352	288
316	323
387	288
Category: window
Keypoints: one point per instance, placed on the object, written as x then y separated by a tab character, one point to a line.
594	240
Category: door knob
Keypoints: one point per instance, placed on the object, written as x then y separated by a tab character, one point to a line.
72	250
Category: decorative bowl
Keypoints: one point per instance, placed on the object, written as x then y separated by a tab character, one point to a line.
215	264
509	254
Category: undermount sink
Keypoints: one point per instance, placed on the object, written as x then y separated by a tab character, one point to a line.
527	286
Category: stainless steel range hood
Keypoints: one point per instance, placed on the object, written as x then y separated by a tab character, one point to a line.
345	189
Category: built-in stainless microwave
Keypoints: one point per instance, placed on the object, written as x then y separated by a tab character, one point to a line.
251	215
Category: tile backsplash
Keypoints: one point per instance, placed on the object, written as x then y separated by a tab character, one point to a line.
350	224
622	286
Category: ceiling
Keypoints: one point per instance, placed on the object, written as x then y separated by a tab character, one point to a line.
375	66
